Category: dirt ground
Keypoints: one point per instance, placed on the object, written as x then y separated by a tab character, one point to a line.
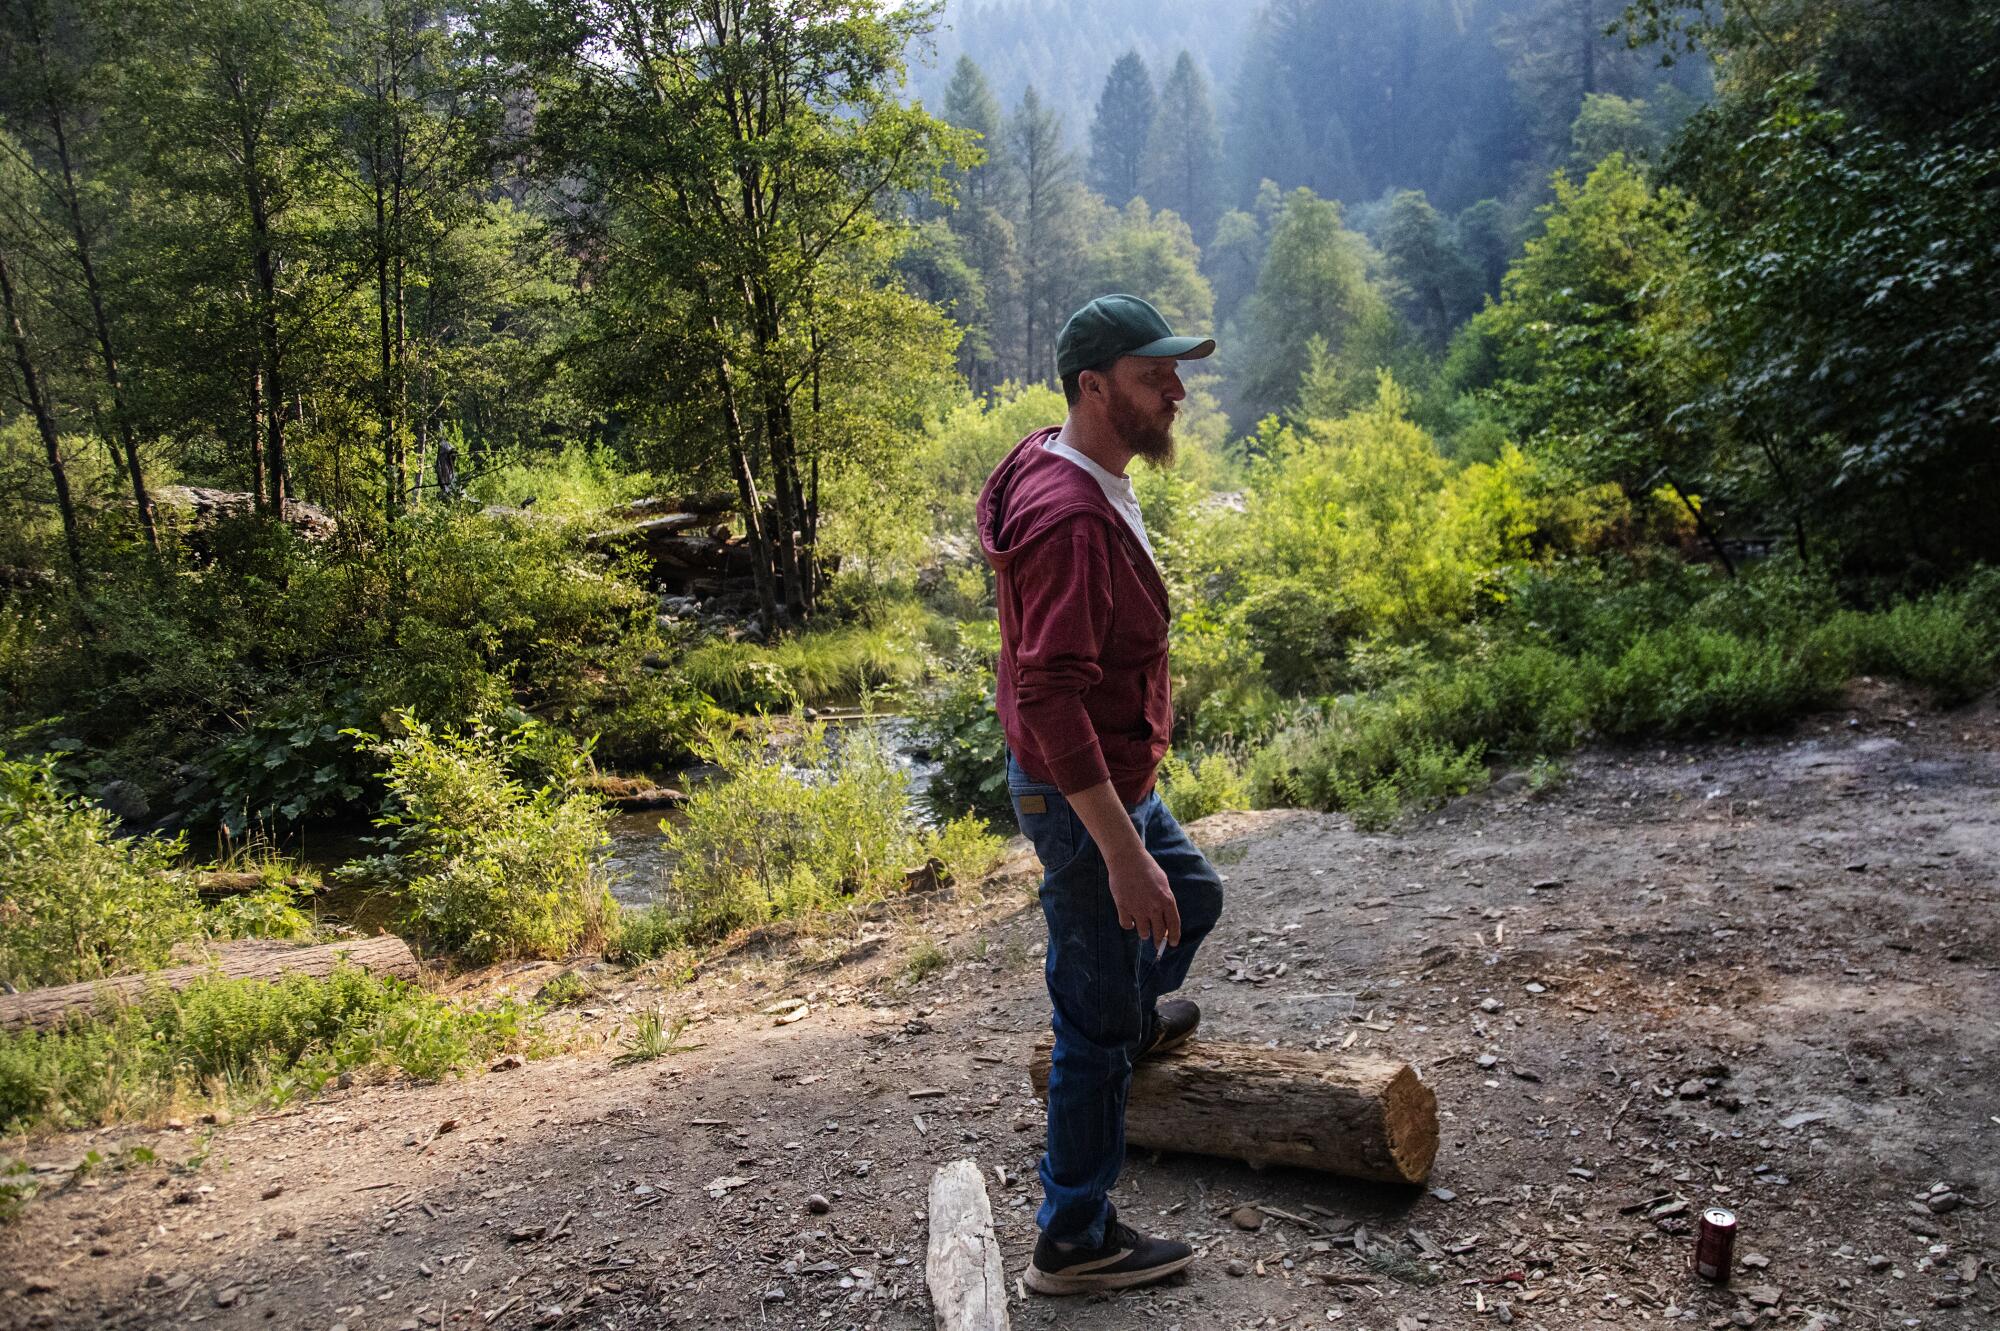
1761	975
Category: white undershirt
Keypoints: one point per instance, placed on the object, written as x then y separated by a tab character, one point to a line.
1118	489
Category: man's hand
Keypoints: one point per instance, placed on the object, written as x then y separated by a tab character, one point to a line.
1138	884
1145	902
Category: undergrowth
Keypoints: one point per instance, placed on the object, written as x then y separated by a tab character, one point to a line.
811	822
222	1041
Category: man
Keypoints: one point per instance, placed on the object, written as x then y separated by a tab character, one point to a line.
1085	701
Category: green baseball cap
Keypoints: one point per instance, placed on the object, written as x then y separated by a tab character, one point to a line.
1114	326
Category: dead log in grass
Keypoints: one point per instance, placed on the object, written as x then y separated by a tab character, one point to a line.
46	1009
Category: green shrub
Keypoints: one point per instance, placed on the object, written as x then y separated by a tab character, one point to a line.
802	827
77	901
1938	643
642	935
221	1039
1212	783
486	866
1688	680
818	667
960	730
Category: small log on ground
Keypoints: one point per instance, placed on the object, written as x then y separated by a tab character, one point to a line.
1358	1115
45	1009
237	883
962	1266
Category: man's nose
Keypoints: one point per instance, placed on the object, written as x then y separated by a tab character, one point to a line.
1175	392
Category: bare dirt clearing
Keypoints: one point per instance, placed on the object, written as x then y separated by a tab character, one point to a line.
1765	976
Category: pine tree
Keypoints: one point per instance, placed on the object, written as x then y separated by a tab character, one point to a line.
1040	170
1118	133
969	103
1184	151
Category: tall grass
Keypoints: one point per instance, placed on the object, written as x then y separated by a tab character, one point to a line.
222	1040
836	665
804	825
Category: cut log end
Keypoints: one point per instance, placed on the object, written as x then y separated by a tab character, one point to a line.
1410	1124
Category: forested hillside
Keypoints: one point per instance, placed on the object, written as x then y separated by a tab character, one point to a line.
452	418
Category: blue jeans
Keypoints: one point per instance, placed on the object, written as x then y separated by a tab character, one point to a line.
1104	984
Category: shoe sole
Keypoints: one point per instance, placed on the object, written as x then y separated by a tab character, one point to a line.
1044	1282
1169	1044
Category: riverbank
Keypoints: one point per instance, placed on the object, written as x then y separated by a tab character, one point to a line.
1764	972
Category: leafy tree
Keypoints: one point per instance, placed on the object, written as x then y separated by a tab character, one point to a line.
738	167
417	125
1183	166
1845	251
234	99
1610	124
53	71
1119	131
1314	283
1232	260
1439	287
1152	255
1486	238
1591	335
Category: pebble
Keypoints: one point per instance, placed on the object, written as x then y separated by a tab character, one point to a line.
1879	1263
1236	1266
1487	1060
1755	1261
1247	1217
1943	1203
1491	1005
818	1204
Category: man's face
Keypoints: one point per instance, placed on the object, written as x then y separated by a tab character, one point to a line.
1141	397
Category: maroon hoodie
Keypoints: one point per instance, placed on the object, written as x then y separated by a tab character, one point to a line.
1083	689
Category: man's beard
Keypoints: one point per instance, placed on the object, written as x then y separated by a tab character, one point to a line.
1147	438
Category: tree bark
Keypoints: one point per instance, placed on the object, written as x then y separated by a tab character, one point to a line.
1708	533
1360	1116
264	265
46	1009
44	414
121	422
962	1264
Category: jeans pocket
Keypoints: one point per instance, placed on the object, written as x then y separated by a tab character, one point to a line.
1049	824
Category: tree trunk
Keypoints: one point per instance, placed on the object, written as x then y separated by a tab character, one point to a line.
1358	1115
746	492
962	1264
264	265
121	423
257	434
44	414
46	1009
1708	533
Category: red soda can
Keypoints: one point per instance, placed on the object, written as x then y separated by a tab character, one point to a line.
1714	1243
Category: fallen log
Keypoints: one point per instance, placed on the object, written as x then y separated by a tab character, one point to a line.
221	883
962	1264
46	1009
1358	1115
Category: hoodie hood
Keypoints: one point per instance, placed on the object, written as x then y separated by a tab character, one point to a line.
1030	491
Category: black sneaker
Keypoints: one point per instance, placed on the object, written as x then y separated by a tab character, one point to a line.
1127	1258
1174	1024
